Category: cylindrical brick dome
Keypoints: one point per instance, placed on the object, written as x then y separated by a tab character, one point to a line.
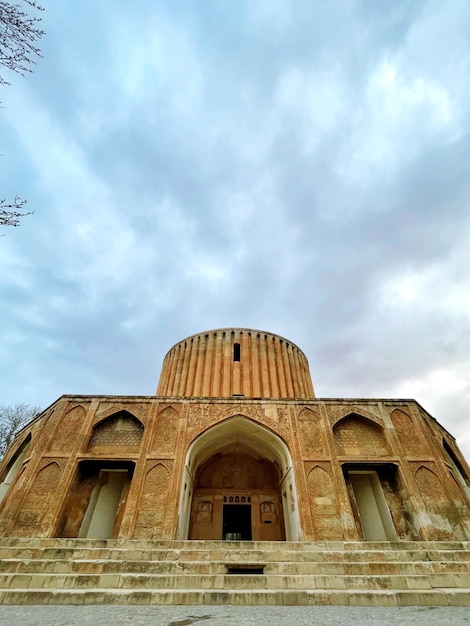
235	362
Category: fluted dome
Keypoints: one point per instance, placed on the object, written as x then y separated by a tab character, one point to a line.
231	362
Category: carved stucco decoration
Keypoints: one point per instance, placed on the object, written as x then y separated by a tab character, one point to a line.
173	405
204	511
336	412
197	427
121	430
166	432
215	411
139	410
44	429
444	517
202	419
37	502
357	436
153	499
311	435
237	471
408	433
323	503
70	426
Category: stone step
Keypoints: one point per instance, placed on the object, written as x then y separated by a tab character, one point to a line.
433	597
132	571
99	566
233	553
234	581
147	544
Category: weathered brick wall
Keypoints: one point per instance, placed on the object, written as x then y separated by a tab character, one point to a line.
323	437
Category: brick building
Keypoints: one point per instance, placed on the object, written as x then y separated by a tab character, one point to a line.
234	445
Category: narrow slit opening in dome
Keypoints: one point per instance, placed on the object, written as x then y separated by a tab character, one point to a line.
236	352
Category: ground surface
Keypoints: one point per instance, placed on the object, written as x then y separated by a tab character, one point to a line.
231	615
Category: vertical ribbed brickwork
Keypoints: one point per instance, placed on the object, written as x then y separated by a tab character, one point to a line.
235	361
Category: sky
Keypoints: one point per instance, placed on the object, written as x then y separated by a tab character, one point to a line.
297	167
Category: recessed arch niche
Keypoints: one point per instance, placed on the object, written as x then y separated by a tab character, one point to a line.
459	471
356	435
238	462
14	466
119	431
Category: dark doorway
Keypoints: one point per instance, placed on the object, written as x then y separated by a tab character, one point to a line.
236	525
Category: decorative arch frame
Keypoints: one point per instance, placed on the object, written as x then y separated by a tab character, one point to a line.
116	414
456	465
359	415
357	420
13	469
253	438
164	407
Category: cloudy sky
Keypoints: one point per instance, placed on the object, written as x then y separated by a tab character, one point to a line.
300	167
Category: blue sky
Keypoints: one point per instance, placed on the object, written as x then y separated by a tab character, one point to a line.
298	167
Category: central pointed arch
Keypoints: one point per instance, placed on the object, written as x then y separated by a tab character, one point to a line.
238	462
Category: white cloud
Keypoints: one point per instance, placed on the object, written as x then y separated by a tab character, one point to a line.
295	167
400	116
315	99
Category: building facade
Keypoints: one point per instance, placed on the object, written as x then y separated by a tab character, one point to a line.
235	446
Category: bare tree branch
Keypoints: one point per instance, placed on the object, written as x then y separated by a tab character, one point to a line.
19	33
12	419
10	213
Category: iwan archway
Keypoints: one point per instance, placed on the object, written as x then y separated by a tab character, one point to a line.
239	484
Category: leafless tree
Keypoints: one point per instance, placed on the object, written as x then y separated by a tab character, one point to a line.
18	35
10	213
12	418
19	32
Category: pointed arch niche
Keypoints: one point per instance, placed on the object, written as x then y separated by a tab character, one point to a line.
459	471
238	483
119	431
14	466
357	435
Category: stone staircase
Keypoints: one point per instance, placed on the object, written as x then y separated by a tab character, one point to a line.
85	571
